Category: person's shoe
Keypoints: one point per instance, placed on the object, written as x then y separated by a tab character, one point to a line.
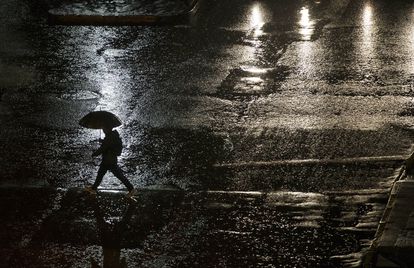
90	190
132	193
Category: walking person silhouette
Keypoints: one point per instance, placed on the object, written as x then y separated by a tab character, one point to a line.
110	149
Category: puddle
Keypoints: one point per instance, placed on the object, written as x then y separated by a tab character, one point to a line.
252	81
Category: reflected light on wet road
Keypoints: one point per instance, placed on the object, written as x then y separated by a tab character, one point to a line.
110	78
254	70
306	24
305	51
367	42
114	82
367	15
109	85
252	79
256	20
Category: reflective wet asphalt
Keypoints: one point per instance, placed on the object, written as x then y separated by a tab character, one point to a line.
244	81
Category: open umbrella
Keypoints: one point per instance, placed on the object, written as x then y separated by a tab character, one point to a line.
99	120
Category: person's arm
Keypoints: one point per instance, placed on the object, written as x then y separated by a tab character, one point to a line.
101	149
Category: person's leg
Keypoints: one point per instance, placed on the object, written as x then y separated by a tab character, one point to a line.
120	175
101	173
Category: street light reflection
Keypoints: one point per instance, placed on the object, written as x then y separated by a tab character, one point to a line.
306	56
254	70
367	44
253	79
108	85
111	78
304	19
256	20
367	15
306	24
254	24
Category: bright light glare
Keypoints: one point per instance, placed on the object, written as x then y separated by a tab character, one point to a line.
367	15
254	69
367	45
253	80
306	24
256	20
304	18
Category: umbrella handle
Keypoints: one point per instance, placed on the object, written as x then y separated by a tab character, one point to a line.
100	135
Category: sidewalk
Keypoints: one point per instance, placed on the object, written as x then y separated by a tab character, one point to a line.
393	245
144	12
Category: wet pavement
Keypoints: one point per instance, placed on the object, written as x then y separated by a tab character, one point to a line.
171	228
158	8
244	81
121	13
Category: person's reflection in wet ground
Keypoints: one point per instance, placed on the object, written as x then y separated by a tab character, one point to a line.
111	234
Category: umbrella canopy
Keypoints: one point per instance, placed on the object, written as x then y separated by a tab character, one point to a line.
99	120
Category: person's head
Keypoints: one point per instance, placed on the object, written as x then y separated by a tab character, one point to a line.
107	130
